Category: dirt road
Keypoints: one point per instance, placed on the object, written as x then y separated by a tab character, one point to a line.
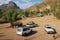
38	32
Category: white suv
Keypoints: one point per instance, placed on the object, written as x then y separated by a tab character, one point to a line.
31	24
23	30
49	29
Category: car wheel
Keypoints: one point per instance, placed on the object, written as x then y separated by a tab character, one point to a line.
25	34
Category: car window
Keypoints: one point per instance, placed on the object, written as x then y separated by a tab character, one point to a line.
19	30
48	27
25	29
30	23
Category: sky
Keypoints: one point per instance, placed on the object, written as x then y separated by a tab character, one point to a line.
23	4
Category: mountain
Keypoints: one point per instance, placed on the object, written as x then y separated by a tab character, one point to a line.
10	5
43	5
9	12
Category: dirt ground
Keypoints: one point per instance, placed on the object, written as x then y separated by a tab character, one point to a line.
38	32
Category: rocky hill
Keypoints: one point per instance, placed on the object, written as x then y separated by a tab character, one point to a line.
10	5
43	5
8	12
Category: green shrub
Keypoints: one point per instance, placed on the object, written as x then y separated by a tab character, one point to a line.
46	12
1	14
3	19
56	14
26	14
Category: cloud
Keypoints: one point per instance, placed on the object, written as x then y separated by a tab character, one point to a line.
24	4
26	1
21	3
4	1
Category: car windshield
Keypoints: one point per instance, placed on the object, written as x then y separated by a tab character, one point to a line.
25	29
19	30
30	23
48	27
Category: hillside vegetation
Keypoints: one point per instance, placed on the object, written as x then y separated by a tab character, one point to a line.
46	7
11	12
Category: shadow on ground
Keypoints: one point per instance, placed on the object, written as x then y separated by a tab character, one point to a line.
2	35
6	39
8	27
32	33
54	31
35	26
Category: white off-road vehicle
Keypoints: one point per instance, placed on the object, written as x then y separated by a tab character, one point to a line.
49	29
23	30
31	24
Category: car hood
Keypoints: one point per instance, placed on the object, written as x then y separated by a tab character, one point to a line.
49	29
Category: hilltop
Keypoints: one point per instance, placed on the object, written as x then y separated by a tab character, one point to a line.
10	5
43	5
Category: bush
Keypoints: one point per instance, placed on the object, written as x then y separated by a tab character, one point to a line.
1	14
9	15
46	12
3	19
56	14
26	14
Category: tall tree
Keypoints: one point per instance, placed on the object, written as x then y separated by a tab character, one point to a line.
11	16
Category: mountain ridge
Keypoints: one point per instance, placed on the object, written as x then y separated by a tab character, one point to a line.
42	5
9	5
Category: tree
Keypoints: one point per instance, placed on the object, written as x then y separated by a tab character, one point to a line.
3	19
26	14
11	16
56	14
20	13
31	13
1	13
46	12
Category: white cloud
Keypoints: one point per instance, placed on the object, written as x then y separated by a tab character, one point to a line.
4	1
21	3
26	0
24	5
